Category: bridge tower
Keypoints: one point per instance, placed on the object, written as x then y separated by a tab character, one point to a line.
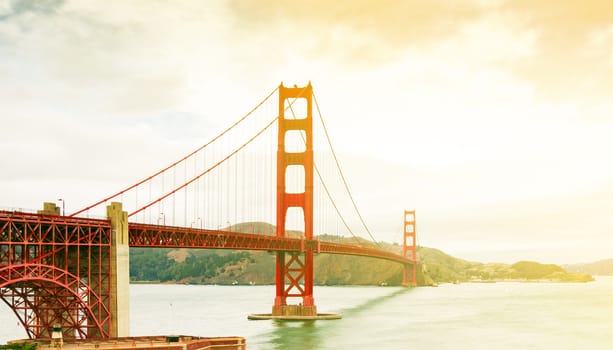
409	248
296	268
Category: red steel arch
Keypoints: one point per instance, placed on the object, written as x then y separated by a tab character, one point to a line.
57	270
51	264
42	295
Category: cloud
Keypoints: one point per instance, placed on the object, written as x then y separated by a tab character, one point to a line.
456	106
353	32
366	34
564	66
108	60
16	8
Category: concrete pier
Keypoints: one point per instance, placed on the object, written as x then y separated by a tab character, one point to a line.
120	277
326	316
295	313
294	310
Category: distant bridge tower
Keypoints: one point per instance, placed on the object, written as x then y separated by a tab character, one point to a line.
409	249
295	267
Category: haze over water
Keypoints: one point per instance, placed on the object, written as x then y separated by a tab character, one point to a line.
464	316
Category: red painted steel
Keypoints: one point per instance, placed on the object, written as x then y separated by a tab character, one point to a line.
56	270
409	248
195	178
297	268
106	200
147	235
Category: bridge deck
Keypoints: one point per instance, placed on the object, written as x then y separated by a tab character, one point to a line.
147	235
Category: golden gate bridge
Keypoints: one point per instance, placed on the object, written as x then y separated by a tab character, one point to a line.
73	269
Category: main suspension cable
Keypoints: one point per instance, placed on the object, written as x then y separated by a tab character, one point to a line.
221	161
325	187
187	183
341	172
182	159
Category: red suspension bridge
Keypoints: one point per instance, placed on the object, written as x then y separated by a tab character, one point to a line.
73	270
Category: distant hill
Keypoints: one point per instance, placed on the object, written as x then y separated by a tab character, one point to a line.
598	268
443	268
258	267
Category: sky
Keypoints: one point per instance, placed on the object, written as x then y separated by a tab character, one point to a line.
492	119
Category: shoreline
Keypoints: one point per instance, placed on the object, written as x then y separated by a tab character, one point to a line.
373	285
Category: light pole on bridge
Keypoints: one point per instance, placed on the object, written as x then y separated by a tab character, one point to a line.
63	205
198	220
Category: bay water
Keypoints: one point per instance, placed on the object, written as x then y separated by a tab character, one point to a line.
498	316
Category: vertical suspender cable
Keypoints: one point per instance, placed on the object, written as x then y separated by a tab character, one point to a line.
326	189
174	185
341	172
150	189
177	162
235	190
185	196
196	187
215	166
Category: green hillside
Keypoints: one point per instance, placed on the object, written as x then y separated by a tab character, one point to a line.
598	268
258	267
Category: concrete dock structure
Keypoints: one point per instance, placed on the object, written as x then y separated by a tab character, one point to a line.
175	342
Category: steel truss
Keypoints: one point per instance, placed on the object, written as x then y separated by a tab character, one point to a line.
297	269
56	270
147	235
